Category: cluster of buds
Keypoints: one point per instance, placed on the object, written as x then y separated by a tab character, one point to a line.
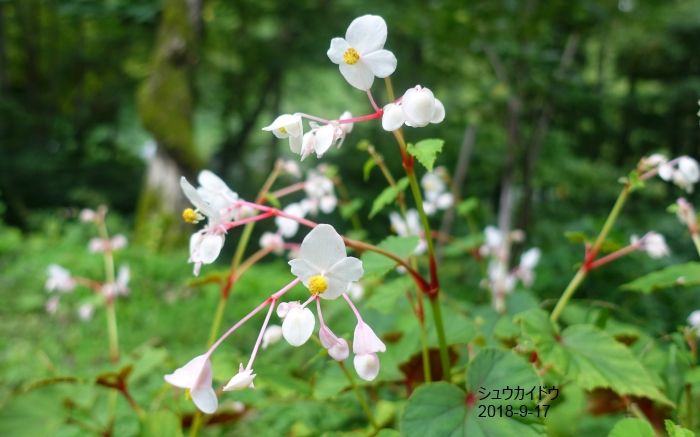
326	271
61	281
360	57
502	279
682	171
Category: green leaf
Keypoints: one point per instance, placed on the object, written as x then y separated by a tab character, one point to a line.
378	265
681	275
442	409
674	430
426	151
388	196
367	168
162	424
385	296
467	206
593	358
347	210
629	426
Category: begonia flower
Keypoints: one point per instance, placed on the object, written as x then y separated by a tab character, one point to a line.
59	279
288	126
196	376
361	55
241	380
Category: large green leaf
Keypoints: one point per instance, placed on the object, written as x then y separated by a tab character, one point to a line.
632	427
442	409
674	430
377	265
681	275
161	424
388	196
591	357
426	151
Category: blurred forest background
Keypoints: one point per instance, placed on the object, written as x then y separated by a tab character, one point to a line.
554	100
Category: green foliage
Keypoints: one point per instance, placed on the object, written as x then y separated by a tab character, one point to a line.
674	430
680	275
635	427
426	151
377	265
388	196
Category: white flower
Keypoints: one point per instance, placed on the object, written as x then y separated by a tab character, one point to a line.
409	227
320	193
493	241
361	55
196	376
337	347
59	279
685	174
652	161
420	107
272	335
298	324
323	265
292	168
345	127
86	311
241	380
686	214
87	215
319	139
528	261
288	227
653	244
214	200
272	242
356	291
435	189
694	320
393	117
288	126
366	366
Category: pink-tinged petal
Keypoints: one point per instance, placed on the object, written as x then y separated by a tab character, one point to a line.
365	341
298	326
438	112
241	380
358	75
295	144
209	248
187	376
367	33
323	247
302	269
366	366
337	50
348	269
393	117
204	398
327	337
382	63
324	139
340	351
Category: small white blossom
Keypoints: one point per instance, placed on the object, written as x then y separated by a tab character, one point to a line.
409	227
528	261
418	107
337	347
356	291
323	265
288	126
286	226
59	280
694	321
653	244
436	195
196	376
366	366
272	242
318	140
87	215
652	161
298	324
684	174
291	168
241	380
365	345
86	311
272	335
320	193
361	55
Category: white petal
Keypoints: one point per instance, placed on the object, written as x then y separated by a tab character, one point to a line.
298	326
438	112
327	337
204	398
187	375
336	287
393	117
328	204
337	50
367	33
348	269
324	139
210	181
323	247
358	75
530	258
209	248
288	227
665	172
366	366
382	62
689	167
340	350
241	380
365	341
295	144
303	270
272	335
196	200
418	105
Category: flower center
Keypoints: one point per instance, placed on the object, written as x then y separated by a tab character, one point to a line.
283	130
317	284
189	215
351	56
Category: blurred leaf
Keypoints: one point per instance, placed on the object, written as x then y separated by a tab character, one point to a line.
632	427
162	424
463	245
592	357
147	363
384	297
348	209
467	206
674	430
426	151
681	275
367	168
378	265
388	196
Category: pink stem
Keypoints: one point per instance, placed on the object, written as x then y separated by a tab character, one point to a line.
277	212
320	314
352	306
371	100
288	190
653	172
256	218
257	309
615	255
308	301
377	114
260	336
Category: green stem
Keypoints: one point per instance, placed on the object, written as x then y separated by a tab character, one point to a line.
591	254
216	323
112	329
442	339
360	398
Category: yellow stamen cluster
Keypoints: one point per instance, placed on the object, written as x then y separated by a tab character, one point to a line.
189	215
317	284
351	56
283	130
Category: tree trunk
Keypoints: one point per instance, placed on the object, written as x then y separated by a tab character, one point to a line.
166	105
